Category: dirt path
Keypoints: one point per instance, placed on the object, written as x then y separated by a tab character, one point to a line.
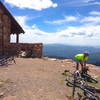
34	79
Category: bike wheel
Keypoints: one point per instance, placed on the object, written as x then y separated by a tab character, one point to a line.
88	78
69	80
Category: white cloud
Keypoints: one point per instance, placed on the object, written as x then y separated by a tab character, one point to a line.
78	19
79	3
62	21
95	13
91	19
82	32
97	3
22	20
83	35
32	4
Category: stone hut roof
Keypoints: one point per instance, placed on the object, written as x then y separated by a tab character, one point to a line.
15	27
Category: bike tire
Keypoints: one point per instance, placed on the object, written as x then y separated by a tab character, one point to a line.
92	89
69	84
89	78
69	80
90	98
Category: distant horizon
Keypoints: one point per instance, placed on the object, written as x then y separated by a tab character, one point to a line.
71	44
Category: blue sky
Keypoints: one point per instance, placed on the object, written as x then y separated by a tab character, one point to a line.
75	22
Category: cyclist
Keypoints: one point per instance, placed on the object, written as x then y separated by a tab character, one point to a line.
82	60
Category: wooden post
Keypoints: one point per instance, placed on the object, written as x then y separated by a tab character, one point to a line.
17	38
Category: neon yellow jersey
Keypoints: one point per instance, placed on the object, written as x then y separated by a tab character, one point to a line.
81	57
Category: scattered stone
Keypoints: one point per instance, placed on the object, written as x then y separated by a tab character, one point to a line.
53	59
45	58
67	60
1	94
63	65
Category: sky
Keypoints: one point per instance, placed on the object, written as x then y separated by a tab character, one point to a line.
73	22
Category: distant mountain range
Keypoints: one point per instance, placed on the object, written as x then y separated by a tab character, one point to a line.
66	51
95	58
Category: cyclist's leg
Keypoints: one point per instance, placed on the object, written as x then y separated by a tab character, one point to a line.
82	66
77	65
83	70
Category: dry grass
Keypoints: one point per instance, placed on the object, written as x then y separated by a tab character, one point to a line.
4	82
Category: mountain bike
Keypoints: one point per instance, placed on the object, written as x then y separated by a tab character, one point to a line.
73	79
79	77
76	79
86	93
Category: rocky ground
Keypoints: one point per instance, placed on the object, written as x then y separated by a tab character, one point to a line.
37	79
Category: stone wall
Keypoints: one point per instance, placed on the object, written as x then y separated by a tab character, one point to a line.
5	30
1	30
5	27
35	48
